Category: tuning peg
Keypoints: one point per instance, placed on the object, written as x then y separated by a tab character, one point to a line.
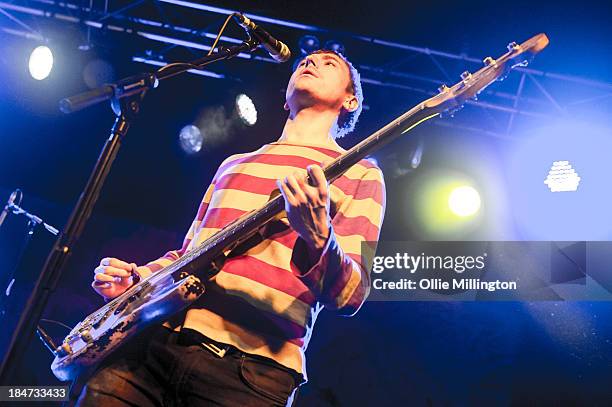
443	88
513	46
488	61
466	75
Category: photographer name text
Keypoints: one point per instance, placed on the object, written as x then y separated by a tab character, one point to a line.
439	284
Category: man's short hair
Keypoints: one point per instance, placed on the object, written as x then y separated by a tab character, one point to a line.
346	120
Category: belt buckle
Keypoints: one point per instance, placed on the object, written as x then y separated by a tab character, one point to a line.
219	352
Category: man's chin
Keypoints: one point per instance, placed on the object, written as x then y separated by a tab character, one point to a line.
303	97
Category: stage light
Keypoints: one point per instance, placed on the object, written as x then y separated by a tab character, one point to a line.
464	201
448	205
417	156
562	177
308	44
191	139
335	46
41	62
246	109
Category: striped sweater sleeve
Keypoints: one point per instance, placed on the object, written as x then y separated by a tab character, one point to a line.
341	278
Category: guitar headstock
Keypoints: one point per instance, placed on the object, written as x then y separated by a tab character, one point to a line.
451	99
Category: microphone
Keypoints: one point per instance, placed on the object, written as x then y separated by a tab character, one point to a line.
9	205
277	49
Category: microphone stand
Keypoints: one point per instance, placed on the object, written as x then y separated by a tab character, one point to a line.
7	284
126	97
33	222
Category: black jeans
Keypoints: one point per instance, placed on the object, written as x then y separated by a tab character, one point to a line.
165	368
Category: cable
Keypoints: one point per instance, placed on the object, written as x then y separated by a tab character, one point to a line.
185	64
220	32
191	66
56	322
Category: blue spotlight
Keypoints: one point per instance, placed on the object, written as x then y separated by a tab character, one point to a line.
191	139
308	44
336	46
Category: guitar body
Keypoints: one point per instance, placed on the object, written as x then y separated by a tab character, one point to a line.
102	332
173	288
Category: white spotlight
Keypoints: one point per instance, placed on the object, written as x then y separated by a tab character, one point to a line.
41	62
191	139
246	109
464	201
562	177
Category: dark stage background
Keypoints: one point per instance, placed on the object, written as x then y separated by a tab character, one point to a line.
404	353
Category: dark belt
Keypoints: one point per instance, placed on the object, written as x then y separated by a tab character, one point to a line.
191	337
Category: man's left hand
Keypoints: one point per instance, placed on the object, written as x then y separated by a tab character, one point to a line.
307	205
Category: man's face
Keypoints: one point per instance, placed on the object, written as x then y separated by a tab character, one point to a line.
320	79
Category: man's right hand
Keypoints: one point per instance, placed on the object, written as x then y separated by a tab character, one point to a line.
113	276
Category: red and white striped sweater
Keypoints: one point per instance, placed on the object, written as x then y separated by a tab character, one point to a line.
266	301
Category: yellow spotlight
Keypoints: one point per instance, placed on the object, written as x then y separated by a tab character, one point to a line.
445	205
464	201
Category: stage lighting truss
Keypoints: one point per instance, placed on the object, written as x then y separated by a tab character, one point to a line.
530	99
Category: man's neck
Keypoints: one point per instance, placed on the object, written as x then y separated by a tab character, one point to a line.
310	126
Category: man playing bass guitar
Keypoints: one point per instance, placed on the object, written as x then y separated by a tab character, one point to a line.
242	343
